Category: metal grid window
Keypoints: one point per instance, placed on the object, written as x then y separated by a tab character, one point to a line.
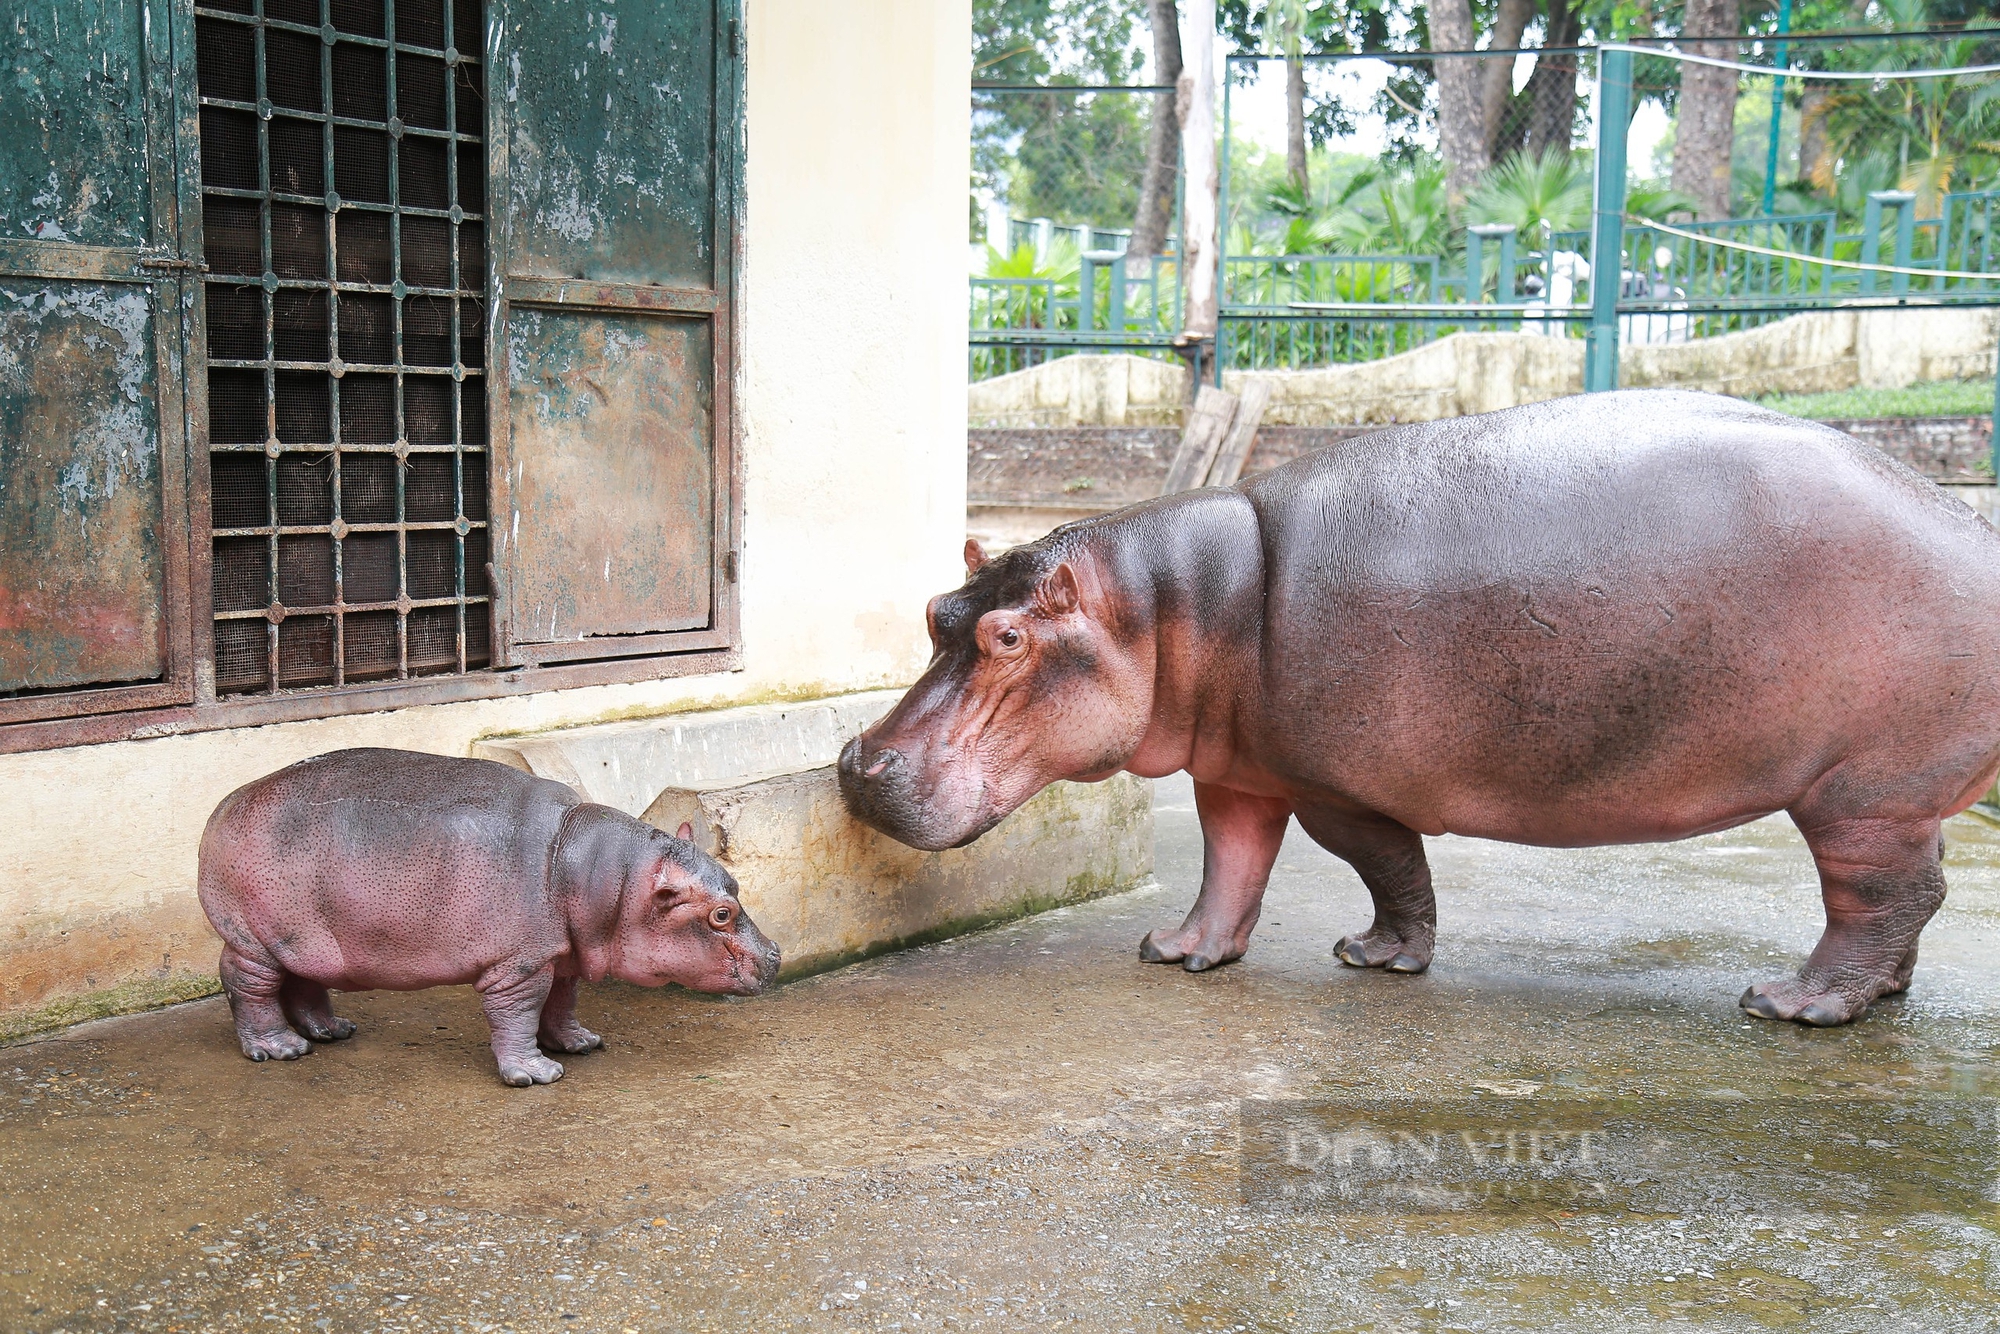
343	192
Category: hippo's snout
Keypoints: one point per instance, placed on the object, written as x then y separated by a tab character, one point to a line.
880	790
765	958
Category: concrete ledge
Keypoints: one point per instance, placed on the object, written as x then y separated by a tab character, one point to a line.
627	765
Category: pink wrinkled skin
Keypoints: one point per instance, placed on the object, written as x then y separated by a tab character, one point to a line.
392	870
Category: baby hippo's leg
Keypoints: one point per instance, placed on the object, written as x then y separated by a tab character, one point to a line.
513	1002
253	986
310	1009
559	1029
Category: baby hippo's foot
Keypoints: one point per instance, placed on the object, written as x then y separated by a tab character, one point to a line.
571	1037
1195	946
279	1045
1405	951
521	1071
326	1028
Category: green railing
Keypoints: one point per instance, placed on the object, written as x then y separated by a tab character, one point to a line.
1022	322
1689	280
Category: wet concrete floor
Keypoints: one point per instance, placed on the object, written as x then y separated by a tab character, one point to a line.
1029	1127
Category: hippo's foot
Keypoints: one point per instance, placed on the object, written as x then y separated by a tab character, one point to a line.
521	1071
283	1045
326	1028
1824	1002
1387	948
1190	947
573	1038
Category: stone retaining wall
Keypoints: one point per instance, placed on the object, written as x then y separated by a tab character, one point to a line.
1467	373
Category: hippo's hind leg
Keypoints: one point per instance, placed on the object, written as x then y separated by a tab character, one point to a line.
254	986
513	1000
1881	880
1240	835
1389	858
310	1009
559	1030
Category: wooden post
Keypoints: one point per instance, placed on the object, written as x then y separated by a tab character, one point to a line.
1207	423
1235	451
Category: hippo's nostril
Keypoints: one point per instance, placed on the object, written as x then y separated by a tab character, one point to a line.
876	768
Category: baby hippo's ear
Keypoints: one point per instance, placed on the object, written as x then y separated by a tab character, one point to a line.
685	833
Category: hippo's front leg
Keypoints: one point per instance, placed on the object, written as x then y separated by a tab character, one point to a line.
559	1030
513	1001
1389	858
1241	835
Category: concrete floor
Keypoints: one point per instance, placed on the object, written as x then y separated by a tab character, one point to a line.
1030	1127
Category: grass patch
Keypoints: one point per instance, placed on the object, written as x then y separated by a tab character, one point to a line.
149	993
1932	398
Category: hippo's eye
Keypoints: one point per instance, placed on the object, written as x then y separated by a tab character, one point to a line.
720	916
1010	639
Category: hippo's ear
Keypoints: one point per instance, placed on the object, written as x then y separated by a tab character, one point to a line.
685	833
975	556
1057	594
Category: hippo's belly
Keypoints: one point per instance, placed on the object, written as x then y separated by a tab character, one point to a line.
1573	642
398	881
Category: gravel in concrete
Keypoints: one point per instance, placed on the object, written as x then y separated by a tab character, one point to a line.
1029	1127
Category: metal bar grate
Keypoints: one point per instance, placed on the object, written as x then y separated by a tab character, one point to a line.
343	183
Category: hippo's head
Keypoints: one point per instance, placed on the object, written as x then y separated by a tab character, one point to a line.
1032	679
684	923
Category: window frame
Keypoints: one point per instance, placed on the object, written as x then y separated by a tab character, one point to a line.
184	699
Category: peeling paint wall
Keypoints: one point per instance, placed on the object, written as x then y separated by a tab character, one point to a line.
853	404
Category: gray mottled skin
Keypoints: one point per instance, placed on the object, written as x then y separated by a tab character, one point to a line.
393	870
1609	619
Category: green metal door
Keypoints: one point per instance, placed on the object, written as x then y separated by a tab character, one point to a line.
614	156
95	294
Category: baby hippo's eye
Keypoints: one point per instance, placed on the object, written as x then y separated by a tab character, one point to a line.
1010	639
720	916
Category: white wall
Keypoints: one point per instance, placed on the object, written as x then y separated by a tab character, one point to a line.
853	403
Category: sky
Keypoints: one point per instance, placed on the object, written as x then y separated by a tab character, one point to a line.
1257	111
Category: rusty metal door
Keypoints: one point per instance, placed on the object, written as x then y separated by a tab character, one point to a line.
95	295
614	158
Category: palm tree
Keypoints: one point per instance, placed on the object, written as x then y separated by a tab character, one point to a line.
1537	192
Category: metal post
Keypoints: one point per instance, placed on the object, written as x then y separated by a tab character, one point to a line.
1614	122
1476	238
1222	218
1777	109
1112	262
1115	321
1871	238
1086	290
1906	236
1993	442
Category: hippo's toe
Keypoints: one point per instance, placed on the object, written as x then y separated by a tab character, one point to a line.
575	1040
281	1046
1385	949
1798	1000
522	1071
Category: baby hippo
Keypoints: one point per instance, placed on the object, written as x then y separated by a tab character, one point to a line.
391	870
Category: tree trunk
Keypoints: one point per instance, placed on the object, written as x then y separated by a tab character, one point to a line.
1198	208
1163	143
1812	137
1706	129
1295	125
1460	129
1496	73
1552	87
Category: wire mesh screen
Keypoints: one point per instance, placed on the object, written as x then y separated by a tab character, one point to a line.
343	181
1078	207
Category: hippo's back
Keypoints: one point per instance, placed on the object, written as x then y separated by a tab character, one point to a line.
383	857
1649	612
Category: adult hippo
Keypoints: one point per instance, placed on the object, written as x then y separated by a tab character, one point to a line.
1622	618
